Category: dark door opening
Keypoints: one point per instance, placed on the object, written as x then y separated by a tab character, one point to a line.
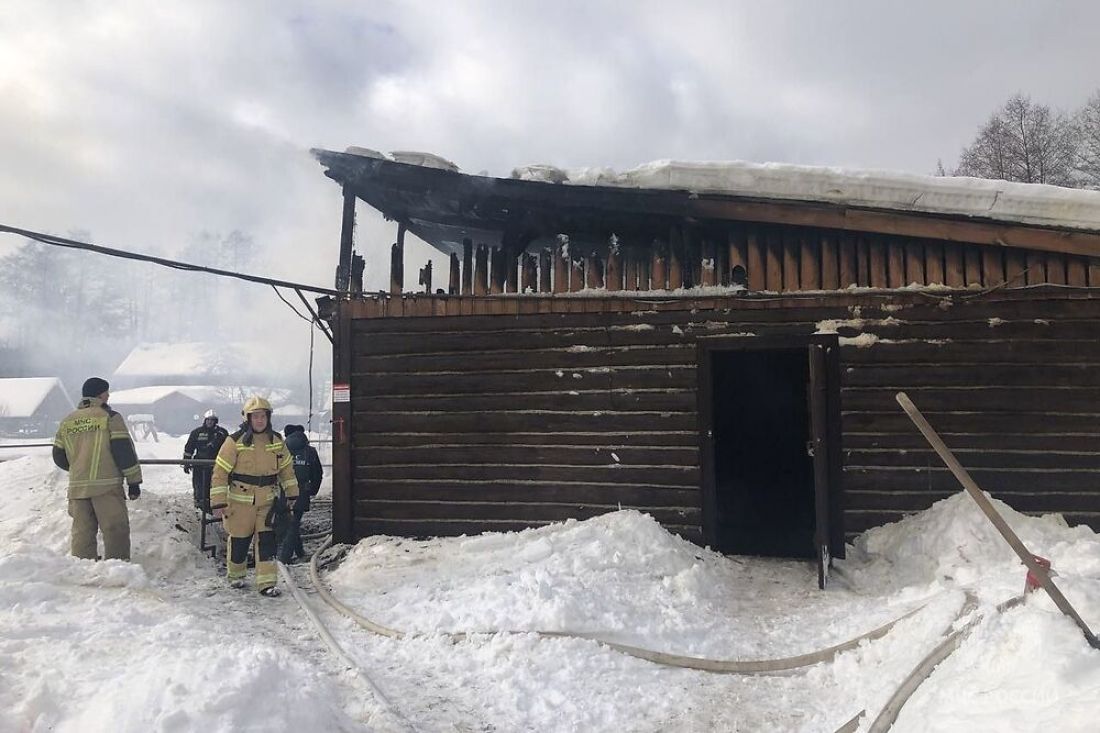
764	490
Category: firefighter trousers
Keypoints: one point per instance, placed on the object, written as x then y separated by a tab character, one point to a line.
105	513
200	486
244	522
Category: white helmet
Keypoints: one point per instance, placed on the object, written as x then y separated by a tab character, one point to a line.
209	414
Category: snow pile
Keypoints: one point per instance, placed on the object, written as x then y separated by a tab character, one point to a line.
619	575
161	644
624	578
116	646
1028	669
953	542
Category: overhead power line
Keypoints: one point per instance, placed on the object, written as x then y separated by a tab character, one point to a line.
162	261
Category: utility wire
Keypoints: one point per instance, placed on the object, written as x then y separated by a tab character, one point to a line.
312	326
162	261
189	267
291	306
309	418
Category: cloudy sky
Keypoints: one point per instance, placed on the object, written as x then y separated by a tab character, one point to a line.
147	122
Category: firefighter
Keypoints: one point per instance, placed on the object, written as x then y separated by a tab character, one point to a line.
250	468
94	446
203	443
308	471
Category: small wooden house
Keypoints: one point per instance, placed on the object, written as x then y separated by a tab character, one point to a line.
32	406
719	346
171	409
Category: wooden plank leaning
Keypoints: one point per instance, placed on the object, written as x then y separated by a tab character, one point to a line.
995	517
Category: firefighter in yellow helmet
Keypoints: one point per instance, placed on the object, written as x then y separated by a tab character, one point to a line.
251	465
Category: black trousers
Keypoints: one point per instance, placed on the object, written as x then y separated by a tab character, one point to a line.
200	486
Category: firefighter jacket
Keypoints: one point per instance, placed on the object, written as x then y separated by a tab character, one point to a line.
248	466
94	446
204	442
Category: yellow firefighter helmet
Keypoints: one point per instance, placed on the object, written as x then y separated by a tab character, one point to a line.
255	403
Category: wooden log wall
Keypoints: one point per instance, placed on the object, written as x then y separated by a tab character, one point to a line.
764	258
497	422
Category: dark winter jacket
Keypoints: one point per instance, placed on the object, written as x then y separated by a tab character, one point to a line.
307	464
204	442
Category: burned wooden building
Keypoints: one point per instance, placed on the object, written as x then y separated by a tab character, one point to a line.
721	354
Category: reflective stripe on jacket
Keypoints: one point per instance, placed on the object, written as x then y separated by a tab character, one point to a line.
267	455
94	446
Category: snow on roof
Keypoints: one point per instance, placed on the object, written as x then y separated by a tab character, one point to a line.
22	396
205	394
1026	203
184	359
148	395
409	157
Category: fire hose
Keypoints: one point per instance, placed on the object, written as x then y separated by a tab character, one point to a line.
338	651
745	667
720	666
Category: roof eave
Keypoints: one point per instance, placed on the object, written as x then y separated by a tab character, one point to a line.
430	201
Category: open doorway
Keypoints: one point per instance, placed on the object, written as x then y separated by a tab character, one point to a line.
770	418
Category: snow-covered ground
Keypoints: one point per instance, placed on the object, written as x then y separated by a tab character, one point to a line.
160	644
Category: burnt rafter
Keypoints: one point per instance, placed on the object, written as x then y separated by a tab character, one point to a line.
443	206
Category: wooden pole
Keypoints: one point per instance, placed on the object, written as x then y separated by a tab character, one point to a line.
343	500
991	513
675	255
658	269
347	241
561	265
511	280
576	273
496	271
614	279
395	270
544	270
593	272
709	264
481	270
467	266
397	262
454	284
530	272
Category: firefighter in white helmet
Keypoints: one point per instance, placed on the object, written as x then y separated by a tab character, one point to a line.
203	443
251	466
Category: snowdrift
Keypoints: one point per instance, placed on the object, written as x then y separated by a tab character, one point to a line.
160	644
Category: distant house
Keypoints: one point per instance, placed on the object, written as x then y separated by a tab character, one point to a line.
176	409
32	406
172	409
191	363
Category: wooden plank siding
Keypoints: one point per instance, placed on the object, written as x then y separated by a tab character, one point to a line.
571	407
770	258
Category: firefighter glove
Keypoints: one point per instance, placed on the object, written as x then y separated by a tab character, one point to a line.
187	468
135	491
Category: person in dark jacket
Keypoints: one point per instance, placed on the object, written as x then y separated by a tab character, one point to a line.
308	471
204	442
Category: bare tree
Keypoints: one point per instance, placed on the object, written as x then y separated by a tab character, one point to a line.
1088	130
1026	142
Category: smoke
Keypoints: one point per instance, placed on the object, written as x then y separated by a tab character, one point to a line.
148	124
